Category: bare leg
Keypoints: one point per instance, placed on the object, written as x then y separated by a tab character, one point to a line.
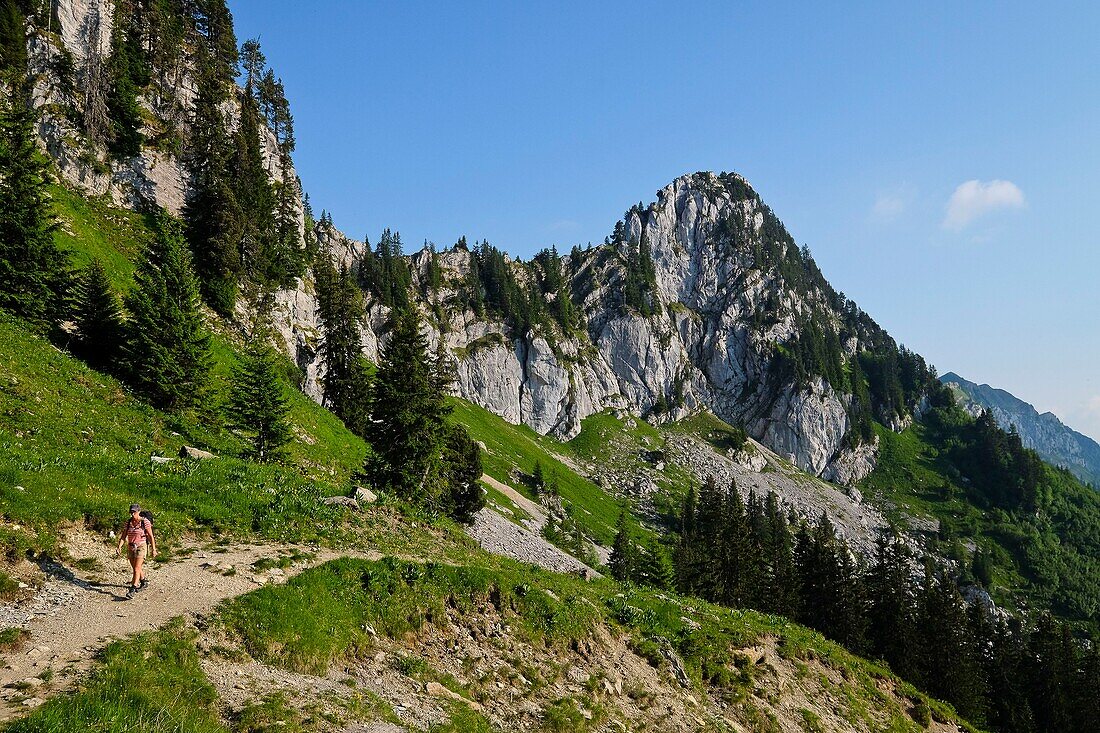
135	563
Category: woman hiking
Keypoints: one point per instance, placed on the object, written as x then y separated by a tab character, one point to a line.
135	535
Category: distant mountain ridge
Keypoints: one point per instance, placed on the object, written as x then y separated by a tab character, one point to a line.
1052	439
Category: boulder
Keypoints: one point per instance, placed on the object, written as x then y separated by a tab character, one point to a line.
196	454
345	501
364	495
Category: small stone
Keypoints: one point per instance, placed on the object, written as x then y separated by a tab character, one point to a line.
32	702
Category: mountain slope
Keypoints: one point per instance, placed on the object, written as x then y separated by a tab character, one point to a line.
700	300
1052	439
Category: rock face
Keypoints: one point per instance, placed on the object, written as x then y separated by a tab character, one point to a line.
710	342
1052	439
157	174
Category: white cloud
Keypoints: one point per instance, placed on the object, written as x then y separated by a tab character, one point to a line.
888	206
975	199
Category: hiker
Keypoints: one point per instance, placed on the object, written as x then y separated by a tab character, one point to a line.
137	532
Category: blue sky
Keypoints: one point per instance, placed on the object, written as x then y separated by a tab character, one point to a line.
939	159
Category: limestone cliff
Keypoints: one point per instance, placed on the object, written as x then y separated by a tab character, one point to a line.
722	316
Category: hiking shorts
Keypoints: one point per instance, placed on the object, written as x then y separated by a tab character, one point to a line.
137	552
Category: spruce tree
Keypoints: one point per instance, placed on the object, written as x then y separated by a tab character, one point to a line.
346	380
708	572
462	471
538	479
733	549
98	317
258	405
657	570
33	271
624	559
167	349
214	219
892	625
947	654
686	559
777	589
408	416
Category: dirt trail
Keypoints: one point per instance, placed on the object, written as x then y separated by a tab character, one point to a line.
534	509
76	613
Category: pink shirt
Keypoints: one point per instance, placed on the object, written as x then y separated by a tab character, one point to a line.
135	533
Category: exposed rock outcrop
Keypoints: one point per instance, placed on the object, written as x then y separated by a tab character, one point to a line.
711	342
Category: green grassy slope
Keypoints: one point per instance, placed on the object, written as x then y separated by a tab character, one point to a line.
1051	558
515	448
75	445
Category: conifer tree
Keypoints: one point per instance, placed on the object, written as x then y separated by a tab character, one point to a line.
657	569
710	523
214	219
167	348
408	417
892	625
538	479
258	405
462	471
777	591
33	271
947	655
734	552
687	557
624	559
128	73
346	380
98	317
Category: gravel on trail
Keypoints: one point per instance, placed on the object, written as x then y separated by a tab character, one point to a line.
76	613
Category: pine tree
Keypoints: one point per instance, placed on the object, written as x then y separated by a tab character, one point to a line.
624	559
33	271
462	472
214	219
657	569
98	317
258	405
167	348
777	594
408	417
346	380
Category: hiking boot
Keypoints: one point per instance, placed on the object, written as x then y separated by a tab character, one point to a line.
144	582
131	591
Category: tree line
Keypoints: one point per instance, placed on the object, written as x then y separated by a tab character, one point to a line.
1010	673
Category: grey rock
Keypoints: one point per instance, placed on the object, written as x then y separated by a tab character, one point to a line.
196	454
364	495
